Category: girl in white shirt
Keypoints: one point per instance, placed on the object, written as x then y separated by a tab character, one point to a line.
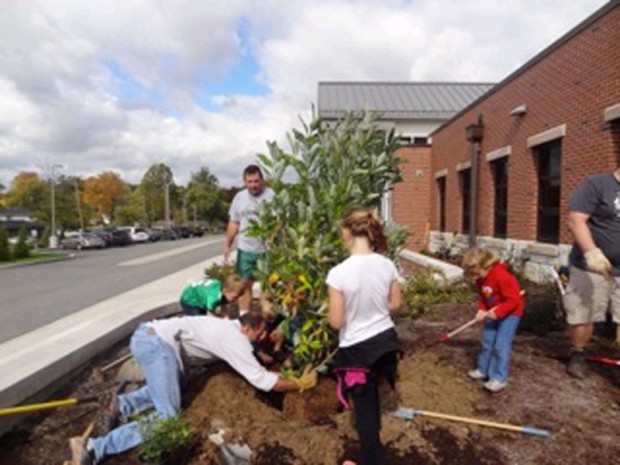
363	290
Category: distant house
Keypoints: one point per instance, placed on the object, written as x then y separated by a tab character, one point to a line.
17	218
414	110
504	167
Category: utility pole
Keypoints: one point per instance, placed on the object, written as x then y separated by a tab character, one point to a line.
167	204
53	244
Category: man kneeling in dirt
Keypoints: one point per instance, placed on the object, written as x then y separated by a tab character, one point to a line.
158	347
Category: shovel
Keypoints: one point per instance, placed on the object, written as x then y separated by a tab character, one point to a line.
409	414
46	405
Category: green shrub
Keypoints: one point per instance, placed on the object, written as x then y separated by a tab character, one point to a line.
44	240
5	249
423	290
333	168
220	272
161	438
21	249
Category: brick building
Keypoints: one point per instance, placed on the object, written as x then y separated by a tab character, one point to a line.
503	168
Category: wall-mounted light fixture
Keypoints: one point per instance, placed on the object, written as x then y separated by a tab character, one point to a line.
519	110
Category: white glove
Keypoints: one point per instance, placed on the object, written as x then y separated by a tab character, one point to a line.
597	262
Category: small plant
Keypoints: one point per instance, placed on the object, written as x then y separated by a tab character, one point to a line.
424	290
220	272
44	239
161	438
21	249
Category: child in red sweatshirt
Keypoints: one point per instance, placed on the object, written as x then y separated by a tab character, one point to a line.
500	308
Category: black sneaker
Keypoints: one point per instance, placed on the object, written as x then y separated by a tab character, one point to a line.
577	366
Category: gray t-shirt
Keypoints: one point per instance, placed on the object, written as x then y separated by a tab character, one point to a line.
599	197
244	208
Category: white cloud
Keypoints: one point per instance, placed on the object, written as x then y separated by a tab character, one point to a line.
114	85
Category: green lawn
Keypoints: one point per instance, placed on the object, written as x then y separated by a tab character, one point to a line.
35	256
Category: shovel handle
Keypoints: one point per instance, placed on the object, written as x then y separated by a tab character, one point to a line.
21	409
454	332
605	360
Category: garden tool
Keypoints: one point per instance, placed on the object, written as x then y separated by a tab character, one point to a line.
558	281
448	336
605	360
410	414
46	405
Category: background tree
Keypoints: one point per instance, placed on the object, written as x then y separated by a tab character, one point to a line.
131	208
153	189
31	193
334	169
5	250
103	193
205	198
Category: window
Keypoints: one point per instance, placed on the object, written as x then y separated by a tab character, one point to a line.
549	160
441	187
420	141
500	212
465	179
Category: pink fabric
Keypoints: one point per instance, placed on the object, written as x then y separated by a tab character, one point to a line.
351	377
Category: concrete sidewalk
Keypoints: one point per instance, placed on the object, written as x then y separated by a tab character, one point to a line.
31	363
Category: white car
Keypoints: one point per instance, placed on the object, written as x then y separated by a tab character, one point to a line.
137	234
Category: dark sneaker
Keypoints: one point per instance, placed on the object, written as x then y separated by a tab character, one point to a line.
577	366
111	415
80	455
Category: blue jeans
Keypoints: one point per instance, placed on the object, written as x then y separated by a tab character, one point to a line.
161	391
497	337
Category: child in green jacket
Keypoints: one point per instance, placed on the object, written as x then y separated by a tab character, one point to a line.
206	295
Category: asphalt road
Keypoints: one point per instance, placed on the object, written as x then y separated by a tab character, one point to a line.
36	295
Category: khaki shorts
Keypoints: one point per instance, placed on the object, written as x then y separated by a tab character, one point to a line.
588	297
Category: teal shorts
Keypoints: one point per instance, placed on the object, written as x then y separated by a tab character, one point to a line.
247	264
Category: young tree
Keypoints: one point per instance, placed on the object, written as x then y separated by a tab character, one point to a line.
332	169
21	249
205	197
5	250
31	193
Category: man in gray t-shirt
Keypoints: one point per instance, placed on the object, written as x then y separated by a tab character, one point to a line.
594	283
243	209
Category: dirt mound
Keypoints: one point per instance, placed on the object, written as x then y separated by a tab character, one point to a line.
310	427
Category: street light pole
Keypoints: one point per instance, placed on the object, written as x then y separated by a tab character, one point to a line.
167	204
53	238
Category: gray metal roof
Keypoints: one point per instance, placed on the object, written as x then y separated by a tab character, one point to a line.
398	100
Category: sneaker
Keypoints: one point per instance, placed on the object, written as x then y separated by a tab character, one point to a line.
476	374
577	366
495	386
80	455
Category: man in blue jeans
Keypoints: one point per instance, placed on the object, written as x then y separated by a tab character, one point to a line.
159	347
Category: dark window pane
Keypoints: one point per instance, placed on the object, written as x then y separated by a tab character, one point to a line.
441	187
465	176
549	160
500	214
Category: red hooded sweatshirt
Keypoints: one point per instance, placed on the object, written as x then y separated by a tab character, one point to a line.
500	290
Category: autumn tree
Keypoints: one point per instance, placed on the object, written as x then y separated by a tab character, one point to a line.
31	193
103	193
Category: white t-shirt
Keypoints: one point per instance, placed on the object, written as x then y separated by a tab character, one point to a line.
365	282
245	207
210	338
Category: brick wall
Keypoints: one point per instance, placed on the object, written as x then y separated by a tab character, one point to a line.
572	85
410	202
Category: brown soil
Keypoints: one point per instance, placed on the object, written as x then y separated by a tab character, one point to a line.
309	428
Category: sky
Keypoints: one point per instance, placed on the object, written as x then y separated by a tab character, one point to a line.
119	85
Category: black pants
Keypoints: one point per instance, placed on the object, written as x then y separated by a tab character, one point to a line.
367	408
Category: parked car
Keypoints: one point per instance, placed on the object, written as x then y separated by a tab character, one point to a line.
81	241
104	234
195	231
168	234
154	234
137	234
